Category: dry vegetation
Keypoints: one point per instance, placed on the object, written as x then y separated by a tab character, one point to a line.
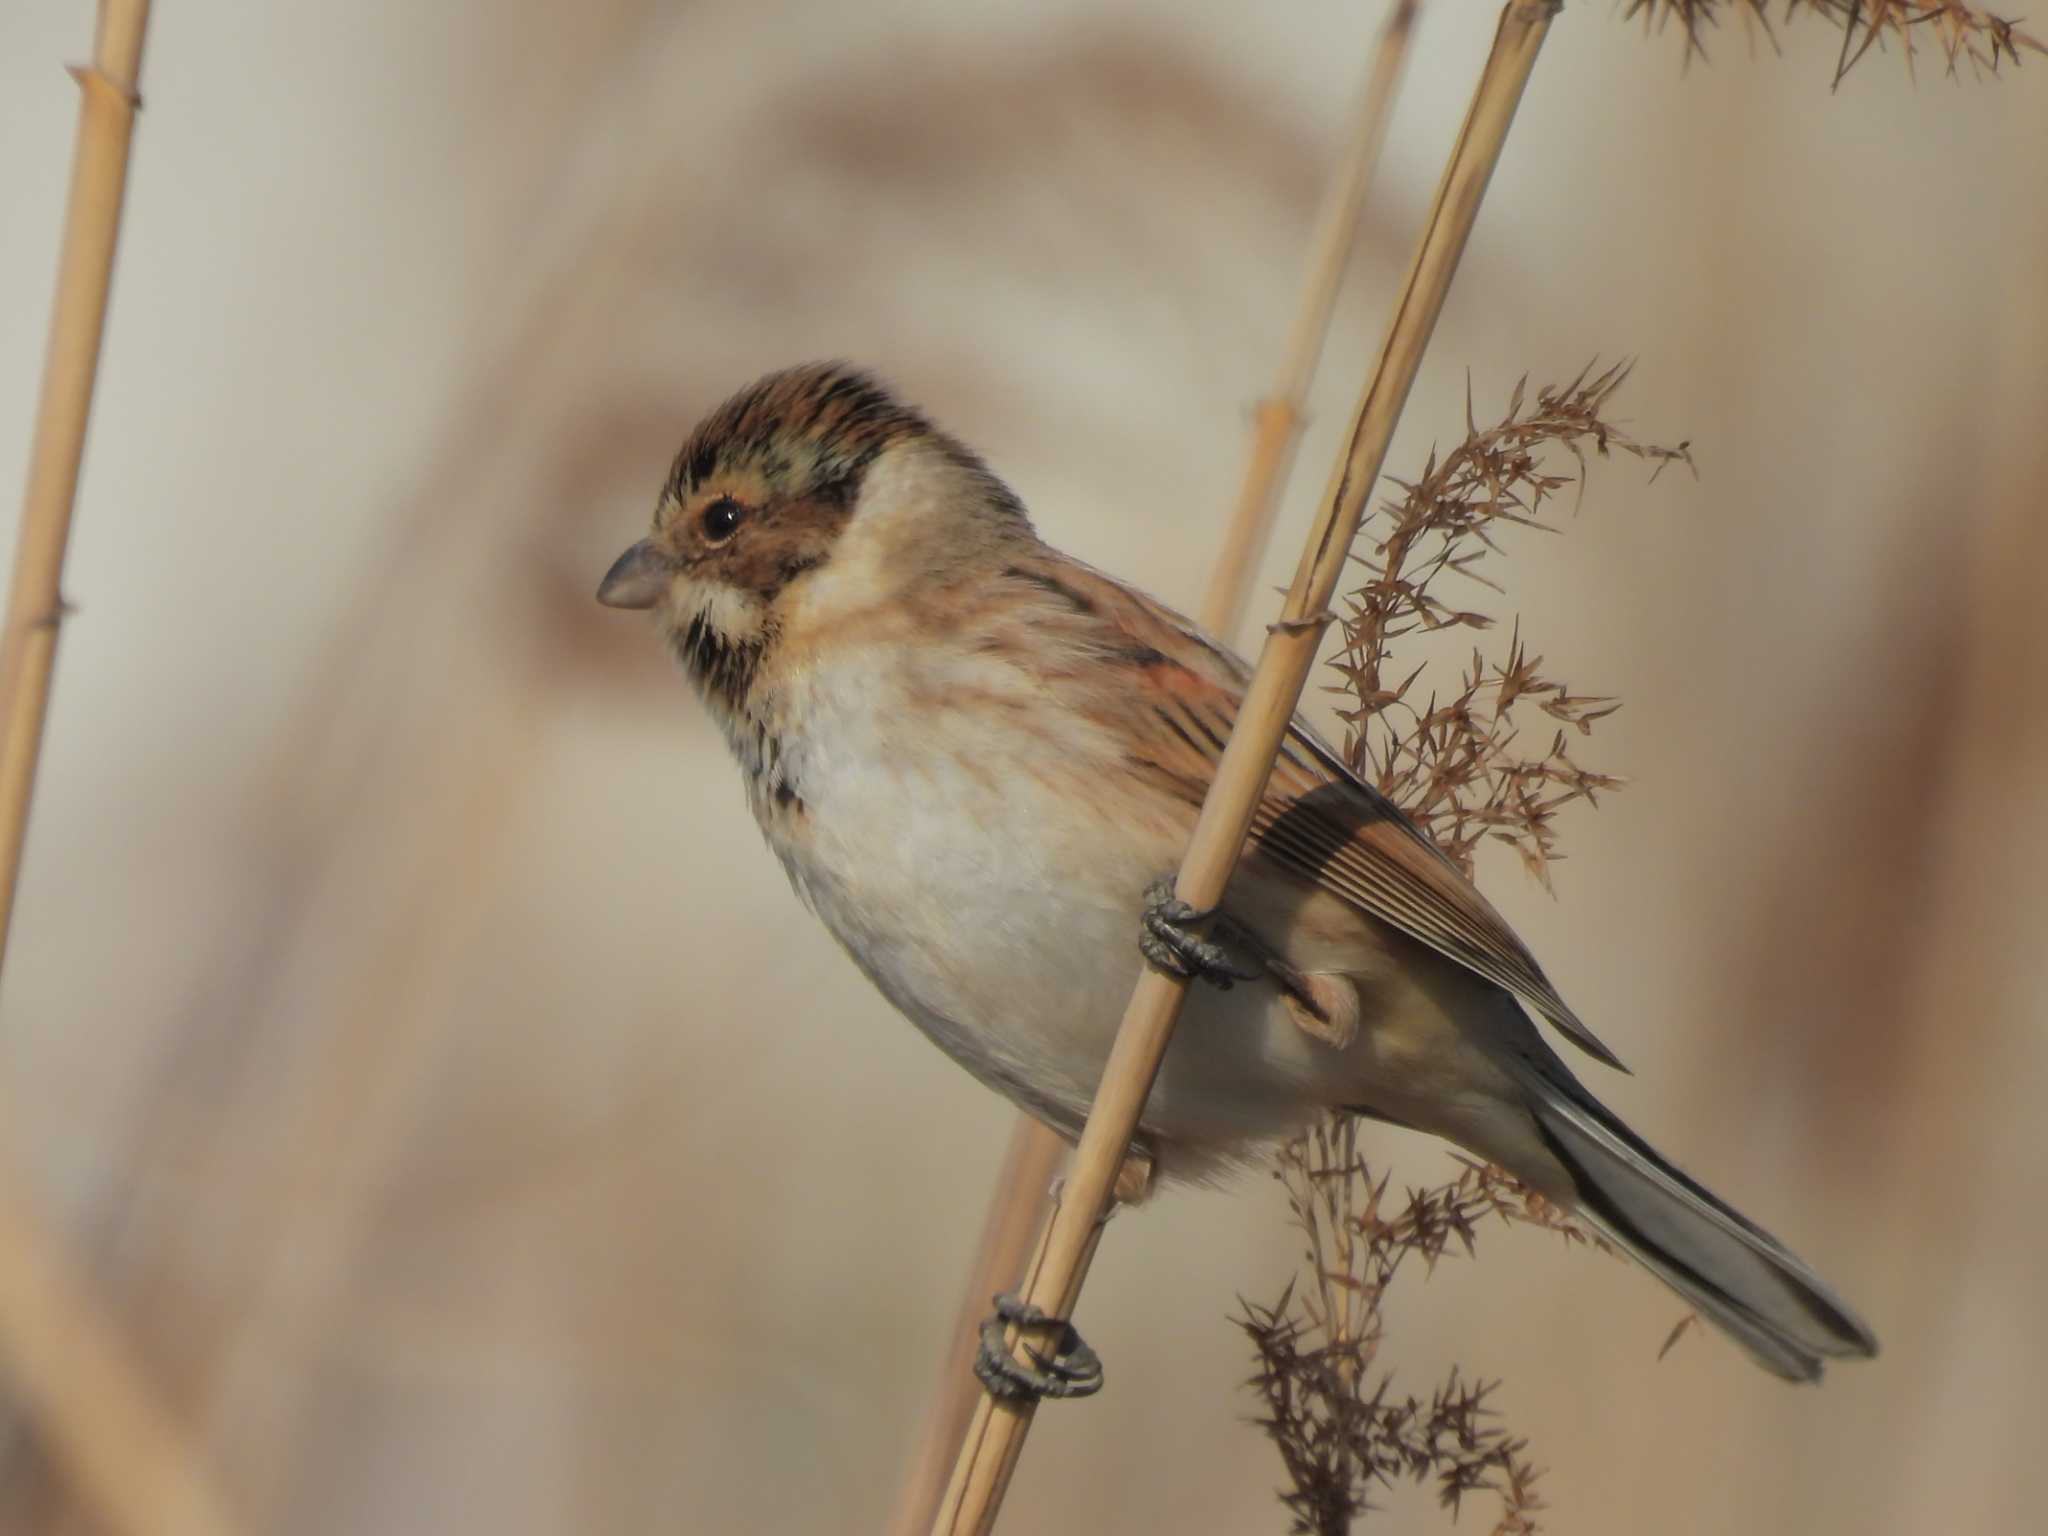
1330	1409
1457	765
1960	33
1456	762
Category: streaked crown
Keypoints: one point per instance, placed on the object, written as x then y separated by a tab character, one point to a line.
811	430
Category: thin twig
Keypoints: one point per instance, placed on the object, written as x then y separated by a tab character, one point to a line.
125	1453
1016	1213
996	1437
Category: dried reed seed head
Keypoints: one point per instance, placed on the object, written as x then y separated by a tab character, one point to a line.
1456	763
1455	766
1330	1410
1962	33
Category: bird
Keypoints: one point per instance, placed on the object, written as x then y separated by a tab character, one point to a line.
979	760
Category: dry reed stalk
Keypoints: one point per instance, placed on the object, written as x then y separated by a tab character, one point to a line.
996	1436
35	607
1017	1212
121	1448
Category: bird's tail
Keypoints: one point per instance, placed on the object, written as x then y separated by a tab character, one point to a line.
1734	1273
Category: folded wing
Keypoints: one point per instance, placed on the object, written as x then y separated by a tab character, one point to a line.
1317	818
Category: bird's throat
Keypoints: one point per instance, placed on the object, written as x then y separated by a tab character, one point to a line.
723	667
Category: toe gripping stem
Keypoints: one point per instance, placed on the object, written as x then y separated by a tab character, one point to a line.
1195	945
1071	1369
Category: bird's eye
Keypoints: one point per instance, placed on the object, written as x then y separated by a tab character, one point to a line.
721	518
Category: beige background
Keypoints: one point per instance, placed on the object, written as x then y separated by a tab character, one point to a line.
404	1020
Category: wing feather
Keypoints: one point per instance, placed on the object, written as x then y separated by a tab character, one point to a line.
1317	818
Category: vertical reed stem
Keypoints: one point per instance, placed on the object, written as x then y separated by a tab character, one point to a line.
127	1457
92	221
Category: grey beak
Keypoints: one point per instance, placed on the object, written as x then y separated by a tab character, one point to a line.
637	579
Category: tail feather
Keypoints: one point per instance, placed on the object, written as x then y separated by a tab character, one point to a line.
1734	1273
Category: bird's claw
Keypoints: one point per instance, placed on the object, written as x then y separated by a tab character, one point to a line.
1168	937
1072	1369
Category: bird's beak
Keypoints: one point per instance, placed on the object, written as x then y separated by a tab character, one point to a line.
637	579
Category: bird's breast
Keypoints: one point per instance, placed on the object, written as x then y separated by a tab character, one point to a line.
960	837
983	857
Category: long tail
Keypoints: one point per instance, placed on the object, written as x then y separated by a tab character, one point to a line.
1733	1272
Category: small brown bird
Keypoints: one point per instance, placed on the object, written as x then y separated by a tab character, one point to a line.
977	758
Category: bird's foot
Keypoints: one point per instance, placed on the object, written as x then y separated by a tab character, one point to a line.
1072	1369
1195	945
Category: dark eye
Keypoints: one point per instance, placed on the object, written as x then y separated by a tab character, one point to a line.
721	518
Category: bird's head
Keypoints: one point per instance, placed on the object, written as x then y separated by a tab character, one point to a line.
810	475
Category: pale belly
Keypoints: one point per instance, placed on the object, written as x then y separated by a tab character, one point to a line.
1005	926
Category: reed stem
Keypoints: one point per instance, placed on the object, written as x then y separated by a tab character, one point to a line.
126	1456
995	1438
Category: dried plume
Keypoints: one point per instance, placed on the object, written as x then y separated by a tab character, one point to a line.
1332	1413
1458	763
1962	34
1457	767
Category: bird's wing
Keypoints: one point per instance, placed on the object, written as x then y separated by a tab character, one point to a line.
1317	818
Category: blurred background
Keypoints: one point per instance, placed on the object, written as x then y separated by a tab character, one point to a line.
446	1093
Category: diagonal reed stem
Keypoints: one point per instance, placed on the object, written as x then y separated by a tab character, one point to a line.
1016	1213
995	1438
92	222
127	1457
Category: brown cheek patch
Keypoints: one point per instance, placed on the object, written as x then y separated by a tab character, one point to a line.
772	553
